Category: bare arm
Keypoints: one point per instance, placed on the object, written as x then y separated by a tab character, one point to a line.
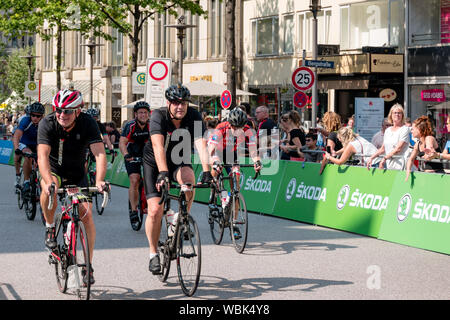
98	150
159	152
43	151
123	145
347	152
16	138
202	148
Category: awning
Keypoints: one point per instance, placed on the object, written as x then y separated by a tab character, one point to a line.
211	89
343	84
84	86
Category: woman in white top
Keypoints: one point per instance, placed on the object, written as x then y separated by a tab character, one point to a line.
395	141
353	144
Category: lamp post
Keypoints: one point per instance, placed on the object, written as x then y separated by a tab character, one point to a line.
29	58
314	7
181	26
91	50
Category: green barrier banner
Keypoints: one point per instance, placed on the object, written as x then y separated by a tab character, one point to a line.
418	214
343	197
119	174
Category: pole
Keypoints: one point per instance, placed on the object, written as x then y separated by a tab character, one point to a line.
91	74
180	54
314	88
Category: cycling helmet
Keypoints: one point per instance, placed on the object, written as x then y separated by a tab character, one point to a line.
68	99
92	112
178	93
141	105
35	107
237	118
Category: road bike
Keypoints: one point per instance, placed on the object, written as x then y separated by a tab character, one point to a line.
30	198
142	200
233	215
184	245
71	257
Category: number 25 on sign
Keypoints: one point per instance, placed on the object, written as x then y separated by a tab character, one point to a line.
302	78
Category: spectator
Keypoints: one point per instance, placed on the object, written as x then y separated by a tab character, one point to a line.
425	147
395	141
351	122
113	133
353	145
310	145
377	139
332	123
291	123
264	131
245	106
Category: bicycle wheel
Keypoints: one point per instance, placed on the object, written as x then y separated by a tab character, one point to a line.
30	209
239	222
164	251
216	221
59	255
188	256
81	265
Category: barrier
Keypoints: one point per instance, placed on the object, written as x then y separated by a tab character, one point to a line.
6	151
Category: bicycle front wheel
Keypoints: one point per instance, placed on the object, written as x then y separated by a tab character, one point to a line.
81	263
239	222
164	251
216	220
59	256
188	256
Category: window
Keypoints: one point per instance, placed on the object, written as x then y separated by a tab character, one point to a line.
79	50
216	20
265	36
48	51
98	52
288	46
143	44
191	47
306	28
162	35
117	49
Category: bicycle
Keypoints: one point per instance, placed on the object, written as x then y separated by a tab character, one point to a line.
184	245
71	255
142	201
18	190
233	214
31	197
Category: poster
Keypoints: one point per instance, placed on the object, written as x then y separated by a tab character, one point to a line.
369	114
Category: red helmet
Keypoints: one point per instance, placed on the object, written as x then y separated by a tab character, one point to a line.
68	99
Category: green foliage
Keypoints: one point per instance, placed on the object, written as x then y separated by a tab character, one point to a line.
17	72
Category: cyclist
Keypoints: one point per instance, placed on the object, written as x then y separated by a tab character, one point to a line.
135	134
161	165
223	145
17	155
25	140
94	114
63	137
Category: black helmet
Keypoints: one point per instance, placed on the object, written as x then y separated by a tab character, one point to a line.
141	105
92	112
237	118
178	93
35	107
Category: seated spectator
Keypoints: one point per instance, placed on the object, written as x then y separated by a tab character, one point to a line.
377	139
310	145
425	147
353	145
332	123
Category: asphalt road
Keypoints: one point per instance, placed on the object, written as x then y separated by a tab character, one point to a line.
284	260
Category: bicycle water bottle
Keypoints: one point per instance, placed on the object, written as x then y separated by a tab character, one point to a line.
225	198
68	233
172	218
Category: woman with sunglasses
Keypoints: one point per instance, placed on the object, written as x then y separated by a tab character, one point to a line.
25	140
291	124
63	137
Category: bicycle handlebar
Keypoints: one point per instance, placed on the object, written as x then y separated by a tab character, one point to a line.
165	189
80	189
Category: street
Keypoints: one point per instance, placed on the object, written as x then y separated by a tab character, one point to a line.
284	260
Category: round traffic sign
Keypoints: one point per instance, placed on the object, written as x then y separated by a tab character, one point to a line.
303	78
225	99
158	70
300	99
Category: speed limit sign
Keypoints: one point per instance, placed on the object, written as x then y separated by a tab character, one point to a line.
302	78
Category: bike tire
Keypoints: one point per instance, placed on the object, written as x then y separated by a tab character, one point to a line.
240	220
81	260
164	251
188	256
216	220
32	202
59	256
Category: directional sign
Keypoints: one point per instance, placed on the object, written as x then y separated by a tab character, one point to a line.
300	99
319	64
302	78
226	99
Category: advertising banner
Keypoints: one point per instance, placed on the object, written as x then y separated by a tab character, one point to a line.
119	174
6	151
418	214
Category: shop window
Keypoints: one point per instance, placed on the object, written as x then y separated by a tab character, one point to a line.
265	36
424	22
306	28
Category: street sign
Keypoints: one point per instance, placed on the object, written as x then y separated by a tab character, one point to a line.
158	77
302	78
319	64
300	99
31	88
226	99
138	83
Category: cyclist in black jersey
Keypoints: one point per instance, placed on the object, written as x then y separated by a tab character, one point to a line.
135	134
63	137
171	127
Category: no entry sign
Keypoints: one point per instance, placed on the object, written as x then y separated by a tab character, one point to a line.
159	73
226	99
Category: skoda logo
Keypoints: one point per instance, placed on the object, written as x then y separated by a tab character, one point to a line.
290	190
343	196
404	206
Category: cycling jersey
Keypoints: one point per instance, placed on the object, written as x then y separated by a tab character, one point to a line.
222	138
67	155
136	136
29	129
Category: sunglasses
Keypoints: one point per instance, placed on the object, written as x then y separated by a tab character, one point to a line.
65	111
307	140
36	115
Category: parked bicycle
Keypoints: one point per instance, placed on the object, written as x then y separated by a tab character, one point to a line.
182	242
142	201
228	209
71	256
